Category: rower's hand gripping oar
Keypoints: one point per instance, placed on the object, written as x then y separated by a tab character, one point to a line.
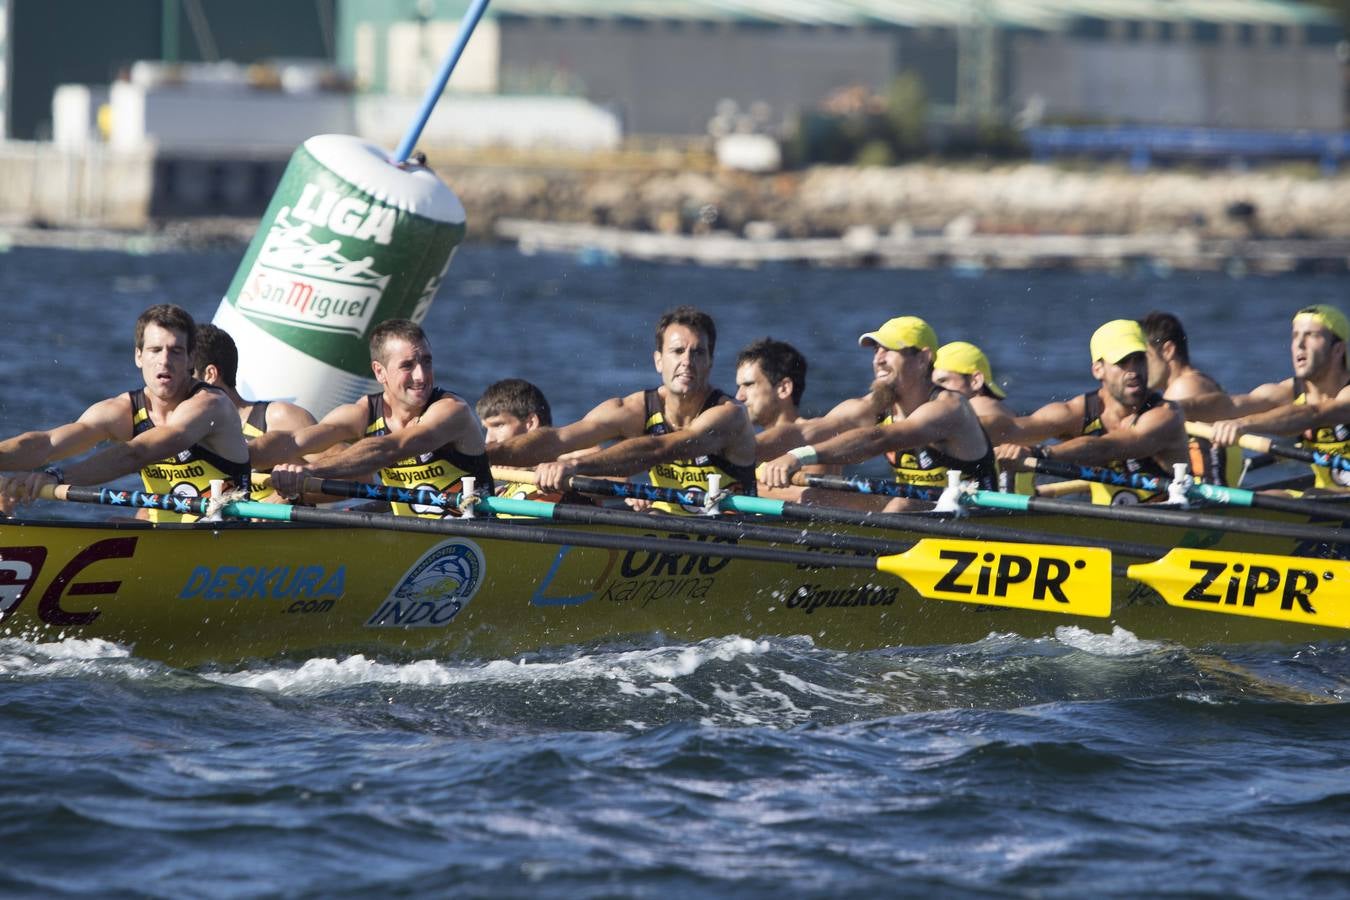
1261	444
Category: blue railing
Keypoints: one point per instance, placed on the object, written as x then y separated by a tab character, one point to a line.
1141	143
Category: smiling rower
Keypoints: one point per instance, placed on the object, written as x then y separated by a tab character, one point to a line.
412	432
1123	425
922	428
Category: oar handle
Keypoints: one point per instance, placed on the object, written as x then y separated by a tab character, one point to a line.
518	476
1063	488
1254	442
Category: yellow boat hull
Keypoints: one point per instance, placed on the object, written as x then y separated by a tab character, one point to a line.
192	594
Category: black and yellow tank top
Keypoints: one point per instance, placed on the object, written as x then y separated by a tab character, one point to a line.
1326	439
255	425
1215	465
692	473
1106	494
189	473
441	469
927	466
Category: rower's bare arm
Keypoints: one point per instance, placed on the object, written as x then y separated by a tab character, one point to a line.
447	421
1052	420
96	424
346	423
194	421
1156	431
1217	406
1270	407
718	430
615	418
853	413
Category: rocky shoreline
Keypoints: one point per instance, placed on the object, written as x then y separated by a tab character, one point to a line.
826	202
854	205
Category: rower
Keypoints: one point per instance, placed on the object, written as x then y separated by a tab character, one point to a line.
178	432
511	407
1170	372
215	360
962	367
682	432
770	382
1122	425
1315	402
412	432
922	428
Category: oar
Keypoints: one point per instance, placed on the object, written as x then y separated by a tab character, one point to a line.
764	506
1213	493
991	573
1076	581
1063	488
1261	444
716	526
1158	516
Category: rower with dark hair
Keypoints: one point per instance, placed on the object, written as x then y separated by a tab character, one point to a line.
1171	373
180	433
1315	402
215	360
681	432
412	432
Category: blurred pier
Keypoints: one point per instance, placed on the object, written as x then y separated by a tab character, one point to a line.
1157	253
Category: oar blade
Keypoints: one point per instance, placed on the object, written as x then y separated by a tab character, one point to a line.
1040	577
1283	588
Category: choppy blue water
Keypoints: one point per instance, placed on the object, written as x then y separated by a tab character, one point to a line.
1043	765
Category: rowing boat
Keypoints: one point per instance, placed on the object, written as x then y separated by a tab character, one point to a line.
188	594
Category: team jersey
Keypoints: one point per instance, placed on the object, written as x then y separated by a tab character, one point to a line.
1326	439
255	425
1106	494
190	472
440	470
692	473
927	466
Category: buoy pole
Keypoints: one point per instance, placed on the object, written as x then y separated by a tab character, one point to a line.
437	86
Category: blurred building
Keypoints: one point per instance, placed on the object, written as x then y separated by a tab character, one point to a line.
664	67
46	43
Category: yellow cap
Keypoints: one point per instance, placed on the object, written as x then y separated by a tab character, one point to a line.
900	332
967	359
1331	318
1118	339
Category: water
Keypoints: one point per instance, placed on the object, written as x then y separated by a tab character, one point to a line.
1041	765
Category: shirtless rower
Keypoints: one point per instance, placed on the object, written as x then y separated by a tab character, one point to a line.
180	433
1171	373
1122	425
1314	402
215	360
412	432
923	429
681	432
770	381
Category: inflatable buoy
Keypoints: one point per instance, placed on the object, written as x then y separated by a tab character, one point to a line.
348	241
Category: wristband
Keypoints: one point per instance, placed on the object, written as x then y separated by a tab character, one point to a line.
805	455
55	472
